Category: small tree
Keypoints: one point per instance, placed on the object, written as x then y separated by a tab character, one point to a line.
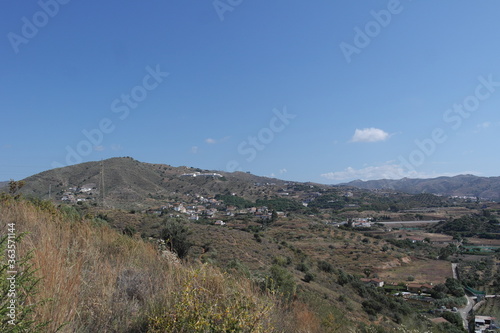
281	280
175	233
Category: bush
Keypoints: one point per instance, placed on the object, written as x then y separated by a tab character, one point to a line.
203	305
175	233
453	318
19	319
282	281
303	267
309	277
325	266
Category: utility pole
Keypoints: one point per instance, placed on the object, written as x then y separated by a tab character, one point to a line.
102	183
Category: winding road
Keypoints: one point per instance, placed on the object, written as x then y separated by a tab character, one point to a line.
464	312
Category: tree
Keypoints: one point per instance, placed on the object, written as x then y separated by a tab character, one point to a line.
281	280
175	233
454	287
274	216
15	186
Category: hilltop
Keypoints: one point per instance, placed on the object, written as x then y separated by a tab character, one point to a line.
128	182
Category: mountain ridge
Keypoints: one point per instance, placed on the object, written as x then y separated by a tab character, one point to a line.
461	186
126	180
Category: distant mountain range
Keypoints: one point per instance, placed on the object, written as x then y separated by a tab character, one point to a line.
463	186
125	182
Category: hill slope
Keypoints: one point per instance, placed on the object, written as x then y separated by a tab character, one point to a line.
127	181
462	185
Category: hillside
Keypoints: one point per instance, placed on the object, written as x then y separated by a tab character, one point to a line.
128	183
304	248
487	188
294	278
94	279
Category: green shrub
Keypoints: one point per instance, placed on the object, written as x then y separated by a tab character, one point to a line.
282	281
303	267
325	266
309	277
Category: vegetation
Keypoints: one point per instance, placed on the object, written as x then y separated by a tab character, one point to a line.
234	200
275	265
89	272
18	286
175	233
484	226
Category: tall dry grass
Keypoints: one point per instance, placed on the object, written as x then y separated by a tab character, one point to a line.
94	279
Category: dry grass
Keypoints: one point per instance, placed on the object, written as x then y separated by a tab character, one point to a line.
483	241
91	275
97	280
423	271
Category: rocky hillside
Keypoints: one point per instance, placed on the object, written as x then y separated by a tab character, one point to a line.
125	181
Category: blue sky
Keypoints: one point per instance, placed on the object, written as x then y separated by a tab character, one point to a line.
323	91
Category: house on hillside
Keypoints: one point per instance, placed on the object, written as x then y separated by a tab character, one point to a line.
439	320
419	287
416	239
484	324
373	282
220	222
180	208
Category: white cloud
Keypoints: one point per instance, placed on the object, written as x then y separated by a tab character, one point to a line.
386	171
99	148
195	149
116	147
213	141
282	171
369	135
486	124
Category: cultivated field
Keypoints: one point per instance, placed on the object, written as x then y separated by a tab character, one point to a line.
422	271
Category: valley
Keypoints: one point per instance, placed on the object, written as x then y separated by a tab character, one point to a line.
368	260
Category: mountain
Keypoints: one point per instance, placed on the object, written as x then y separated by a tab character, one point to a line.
3	184
462	186
126	181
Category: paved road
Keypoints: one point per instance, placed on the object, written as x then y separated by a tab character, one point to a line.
464	312
454	270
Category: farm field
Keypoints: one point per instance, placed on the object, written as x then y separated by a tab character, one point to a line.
422	271
483	241
491	307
